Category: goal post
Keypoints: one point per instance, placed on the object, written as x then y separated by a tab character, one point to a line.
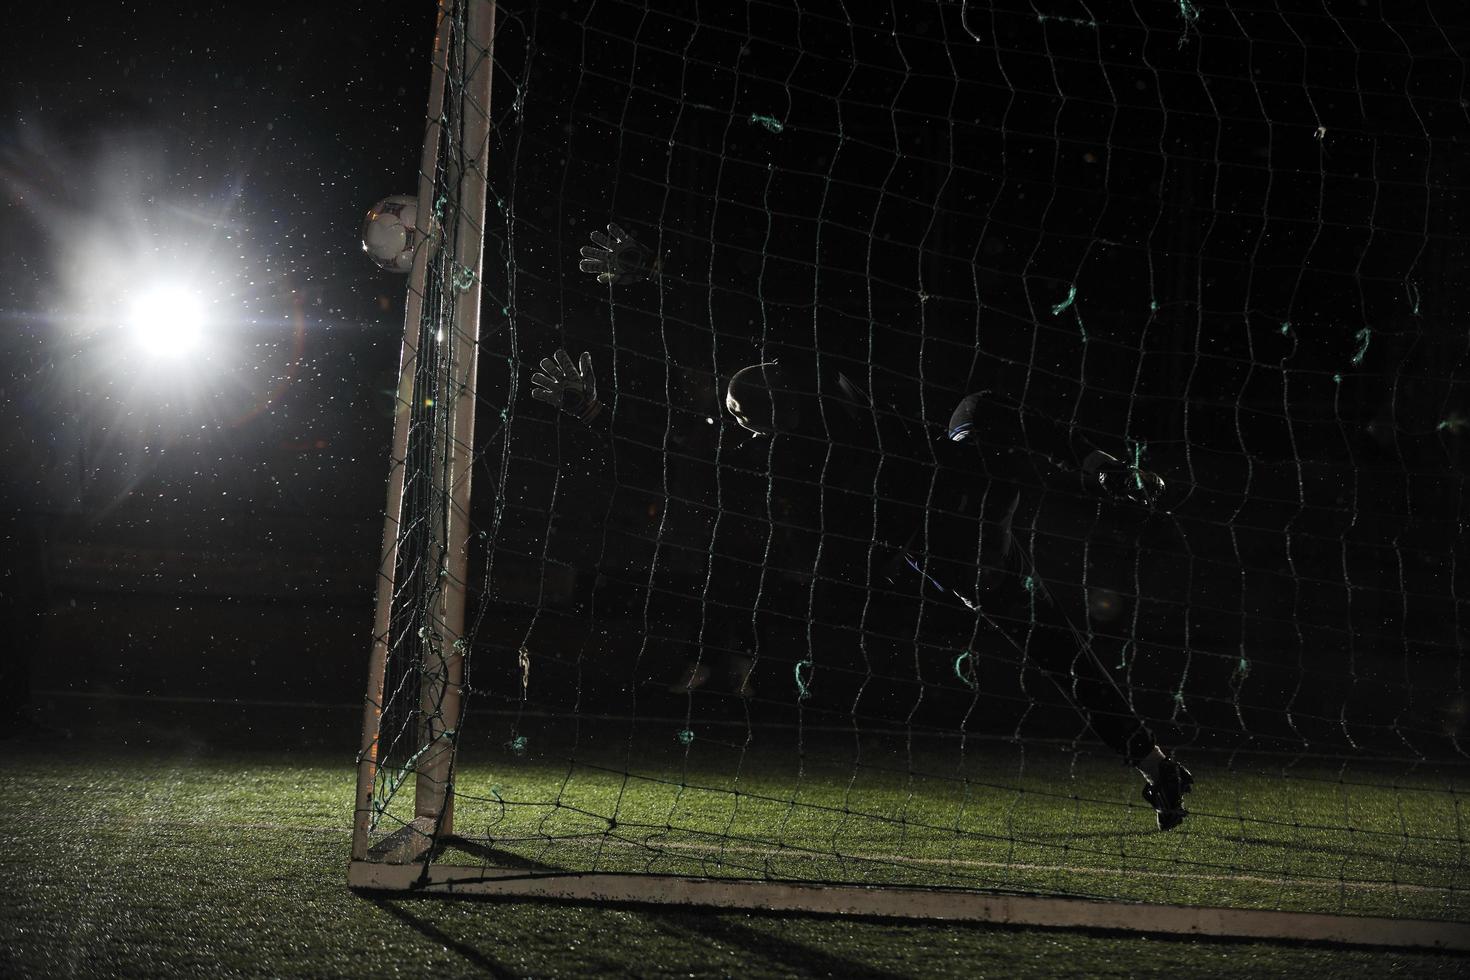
436	391
466	171
1114	406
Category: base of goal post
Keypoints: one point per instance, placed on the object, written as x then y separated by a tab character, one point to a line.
907	903
408	845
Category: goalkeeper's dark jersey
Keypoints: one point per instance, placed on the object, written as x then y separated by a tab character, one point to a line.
967	505
860	489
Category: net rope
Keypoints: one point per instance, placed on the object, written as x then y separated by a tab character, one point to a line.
1218	242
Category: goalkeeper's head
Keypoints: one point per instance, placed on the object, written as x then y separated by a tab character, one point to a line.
767	398
771	398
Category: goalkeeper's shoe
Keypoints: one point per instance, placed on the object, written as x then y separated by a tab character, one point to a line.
1165	793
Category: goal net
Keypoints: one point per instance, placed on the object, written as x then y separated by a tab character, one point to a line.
819	633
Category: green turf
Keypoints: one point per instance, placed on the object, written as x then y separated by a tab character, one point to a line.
123	862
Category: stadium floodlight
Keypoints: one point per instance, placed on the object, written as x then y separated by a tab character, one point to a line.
167	321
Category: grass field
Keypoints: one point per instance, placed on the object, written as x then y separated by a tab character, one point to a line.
183	860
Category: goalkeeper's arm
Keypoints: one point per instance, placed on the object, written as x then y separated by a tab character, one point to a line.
1009	435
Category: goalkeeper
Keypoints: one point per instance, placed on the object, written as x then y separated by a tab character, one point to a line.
981	538
990	472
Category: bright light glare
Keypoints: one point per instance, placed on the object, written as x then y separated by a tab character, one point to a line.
167	321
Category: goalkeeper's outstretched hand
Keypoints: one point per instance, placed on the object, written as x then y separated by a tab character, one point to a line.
617	259
1124	482
567	386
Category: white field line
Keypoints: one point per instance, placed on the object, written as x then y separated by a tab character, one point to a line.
129	824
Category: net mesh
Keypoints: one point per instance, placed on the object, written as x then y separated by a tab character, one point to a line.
1219	243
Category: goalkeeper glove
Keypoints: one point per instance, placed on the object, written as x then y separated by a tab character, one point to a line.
567	386
617	258
1120	480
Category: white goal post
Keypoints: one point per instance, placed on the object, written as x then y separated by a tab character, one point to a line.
457	189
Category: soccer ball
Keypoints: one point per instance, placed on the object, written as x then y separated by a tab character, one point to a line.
390	232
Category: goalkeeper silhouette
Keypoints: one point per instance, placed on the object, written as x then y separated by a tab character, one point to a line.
993	466
989	472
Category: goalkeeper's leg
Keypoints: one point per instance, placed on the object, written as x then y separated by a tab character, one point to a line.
1066	656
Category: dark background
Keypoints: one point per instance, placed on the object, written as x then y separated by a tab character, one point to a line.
211	535
1257	216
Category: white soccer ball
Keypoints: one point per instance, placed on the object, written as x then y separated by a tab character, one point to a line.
390	232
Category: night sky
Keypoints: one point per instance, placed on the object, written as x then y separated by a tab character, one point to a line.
1164	235
237	155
